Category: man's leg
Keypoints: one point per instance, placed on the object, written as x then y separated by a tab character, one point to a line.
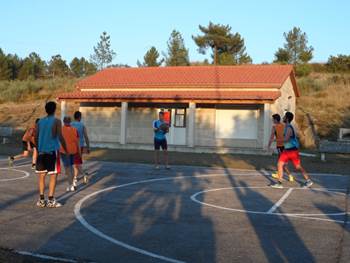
41	183
156	158
69	176
303	172
77	170
166	158
280	167
52	185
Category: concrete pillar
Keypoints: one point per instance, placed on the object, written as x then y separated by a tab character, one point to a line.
267	125
63	109
123	120
191	124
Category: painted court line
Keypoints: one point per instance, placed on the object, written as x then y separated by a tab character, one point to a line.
280	202
25	253
81	219
26	174
303	215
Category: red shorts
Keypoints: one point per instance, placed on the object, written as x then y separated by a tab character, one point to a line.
290	155
78	159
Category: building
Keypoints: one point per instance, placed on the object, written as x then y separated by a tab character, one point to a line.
210	108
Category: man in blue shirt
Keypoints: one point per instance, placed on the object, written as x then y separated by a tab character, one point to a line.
160	140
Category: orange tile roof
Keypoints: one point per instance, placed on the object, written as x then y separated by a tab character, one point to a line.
247	82
175	95
257	76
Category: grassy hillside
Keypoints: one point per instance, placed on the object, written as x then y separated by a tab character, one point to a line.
21	102
325	99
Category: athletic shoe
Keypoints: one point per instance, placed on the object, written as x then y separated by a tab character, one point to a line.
11	160
274	175
167	167
85	179
53	204
71	188
277	185
291	178
156	167
75	182
41	203
308	183
33	166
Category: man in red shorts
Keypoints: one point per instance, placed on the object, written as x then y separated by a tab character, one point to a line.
290	153
85	147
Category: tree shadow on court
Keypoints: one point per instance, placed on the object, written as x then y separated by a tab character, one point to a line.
156	216
278	239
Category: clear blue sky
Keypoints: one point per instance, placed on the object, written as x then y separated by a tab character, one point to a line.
72	28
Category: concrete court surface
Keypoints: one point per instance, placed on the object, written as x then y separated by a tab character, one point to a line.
134	213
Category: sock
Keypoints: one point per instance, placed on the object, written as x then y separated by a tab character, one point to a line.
42	197
50	198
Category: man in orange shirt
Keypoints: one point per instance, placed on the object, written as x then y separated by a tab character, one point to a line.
71	137
277	132
28	141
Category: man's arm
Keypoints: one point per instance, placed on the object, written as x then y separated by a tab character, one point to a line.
58	132
37	135
154	127
28	146
272	136
78	144
86	140
288	134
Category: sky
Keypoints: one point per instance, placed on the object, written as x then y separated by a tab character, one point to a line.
72	28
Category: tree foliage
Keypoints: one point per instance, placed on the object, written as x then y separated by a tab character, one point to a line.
340	63
81	67
58	67
296	49
32	67
177	54
5	69
151	59
228	48
103	53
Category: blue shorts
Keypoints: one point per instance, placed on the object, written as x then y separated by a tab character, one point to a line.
160	143
67	159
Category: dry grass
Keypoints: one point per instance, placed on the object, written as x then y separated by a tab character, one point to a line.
326	98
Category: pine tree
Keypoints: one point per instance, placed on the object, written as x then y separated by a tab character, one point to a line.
103	54
227	48
58	67
5	69
296	50
151	59
81	67
177	54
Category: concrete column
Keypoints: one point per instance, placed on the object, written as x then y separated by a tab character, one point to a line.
191	124
63	109
123	120
267	124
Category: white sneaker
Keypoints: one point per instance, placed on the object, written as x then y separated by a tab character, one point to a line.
75	182
53	204
71	188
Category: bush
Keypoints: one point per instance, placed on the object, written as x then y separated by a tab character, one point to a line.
309	85
303	70
18	91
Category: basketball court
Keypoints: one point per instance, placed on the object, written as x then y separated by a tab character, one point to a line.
133	213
